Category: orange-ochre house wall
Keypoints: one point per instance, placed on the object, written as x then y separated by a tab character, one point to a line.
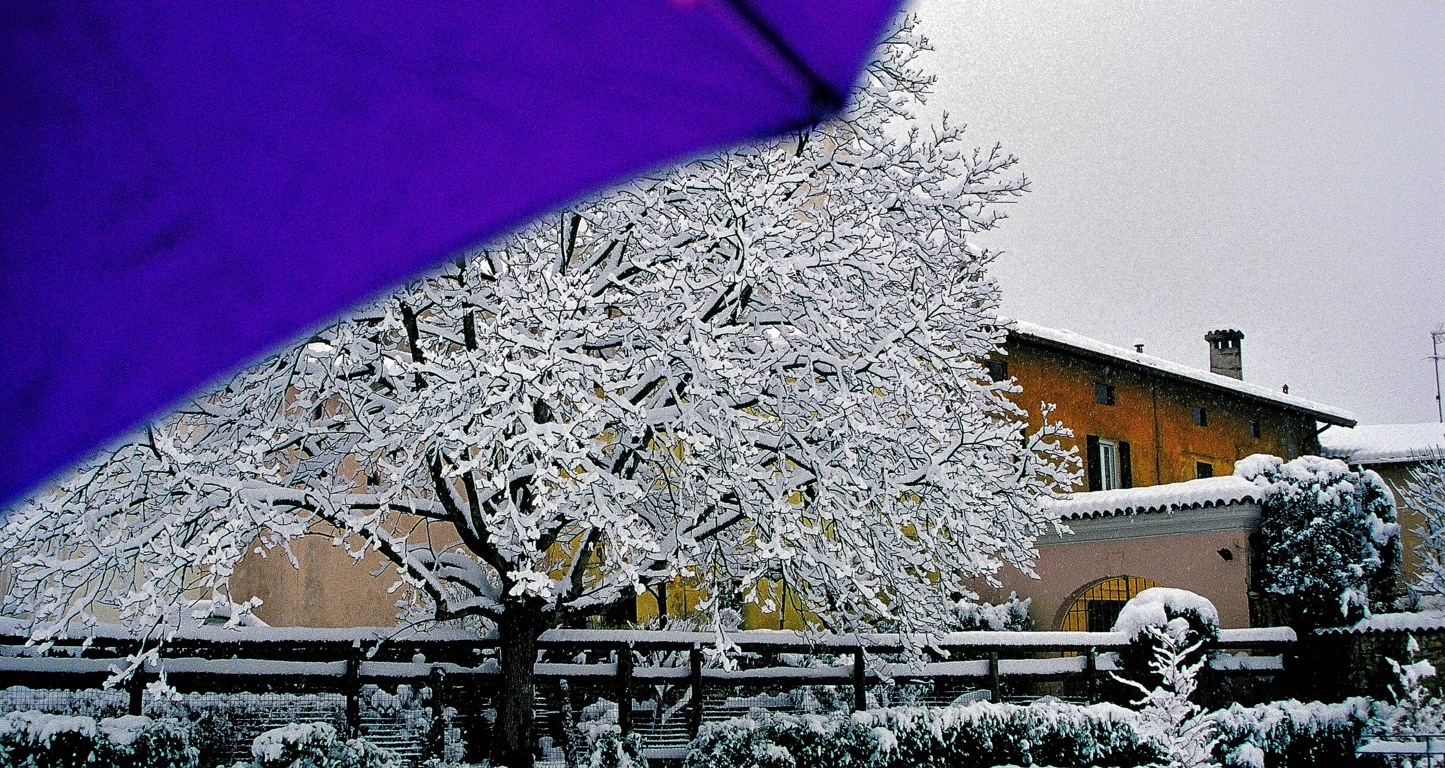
1153	414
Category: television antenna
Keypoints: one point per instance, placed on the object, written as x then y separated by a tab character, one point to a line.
1437	337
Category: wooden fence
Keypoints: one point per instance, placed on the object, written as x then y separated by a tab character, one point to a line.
622	663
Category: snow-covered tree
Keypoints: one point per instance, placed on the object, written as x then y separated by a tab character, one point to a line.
1185	734
761	365
1329	540
1425	493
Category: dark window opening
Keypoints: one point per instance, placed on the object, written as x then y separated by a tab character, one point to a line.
997	369
1254	430
1203	469
1201	419
1103	393
1103	614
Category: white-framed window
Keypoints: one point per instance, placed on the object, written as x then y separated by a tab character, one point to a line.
1108	464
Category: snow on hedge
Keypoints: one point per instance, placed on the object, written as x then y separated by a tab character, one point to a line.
31	738
978	734
315	745
1160	607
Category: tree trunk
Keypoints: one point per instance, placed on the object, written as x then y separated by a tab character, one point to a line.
518	630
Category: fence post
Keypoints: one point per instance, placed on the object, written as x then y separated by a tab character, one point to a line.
1091	668
860	694
624	689
995	687
437	735
352	684
694	660
136	687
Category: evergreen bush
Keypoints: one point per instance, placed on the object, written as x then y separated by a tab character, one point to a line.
981	735
1329	542
31	739
1293	734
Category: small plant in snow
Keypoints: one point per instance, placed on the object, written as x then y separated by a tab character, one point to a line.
1183	731
1296	734
315	745
1157	610
1420	711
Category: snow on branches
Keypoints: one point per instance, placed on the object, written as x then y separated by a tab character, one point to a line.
763	364
1425	494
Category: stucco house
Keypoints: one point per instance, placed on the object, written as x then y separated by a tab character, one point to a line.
1158	504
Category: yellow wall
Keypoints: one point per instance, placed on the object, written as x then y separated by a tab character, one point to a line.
1396	476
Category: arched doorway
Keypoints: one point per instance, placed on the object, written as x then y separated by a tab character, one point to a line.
1096	606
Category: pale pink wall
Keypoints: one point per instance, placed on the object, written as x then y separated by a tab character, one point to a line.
1185	561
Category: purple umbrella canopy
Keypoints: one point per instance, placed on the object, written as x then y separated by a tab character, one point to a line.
188	185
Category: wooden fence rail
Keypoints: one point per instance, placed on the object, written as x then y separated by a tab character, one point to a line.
217	659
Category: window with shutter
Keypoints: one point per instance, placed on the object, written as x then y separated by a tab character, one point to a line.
1106	464
1095	476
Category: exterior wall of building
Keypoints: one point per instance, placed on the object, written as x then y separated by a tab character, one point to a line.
1182	560
327	588
1153	414
1396	475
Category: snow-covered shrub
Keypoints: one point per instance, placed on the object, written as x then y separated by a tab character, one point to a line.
613	750
1172	612
221	725
981	734
146	743
1293	734
770	740
31	739
315	745
1420	711
1012	615
1168	716
1328	537
1425	493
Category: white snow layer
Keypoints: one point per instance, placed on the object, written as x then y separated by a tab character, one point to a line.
1423	621
1320	411
1151	607
1206	492
1385	443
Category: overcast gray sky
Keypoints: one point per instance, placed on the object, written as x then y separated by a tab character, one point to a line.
1273	167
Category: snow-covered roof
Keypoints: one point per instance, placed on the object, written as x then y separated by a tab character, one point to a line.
1385	443
1191	494
1093	347
1423	621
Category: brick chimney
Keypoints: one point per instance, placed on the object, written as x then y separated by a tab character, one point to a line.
1226	356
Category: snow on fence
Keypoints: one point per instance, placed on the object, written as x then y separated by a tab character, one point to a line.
664	682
